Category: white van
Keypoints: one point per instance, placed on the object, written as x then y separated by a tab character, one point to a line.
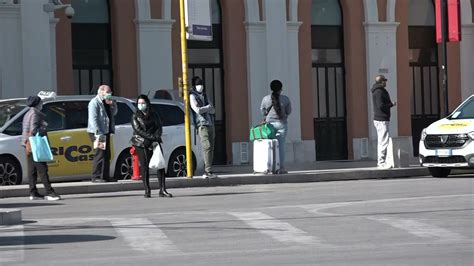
449	143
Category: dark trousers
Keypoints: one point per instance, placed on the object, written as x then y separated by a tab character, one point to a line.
144	156
36	169
101	162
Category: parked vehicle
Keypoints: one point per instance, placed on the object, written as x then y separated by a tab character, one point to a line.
70	143
449	143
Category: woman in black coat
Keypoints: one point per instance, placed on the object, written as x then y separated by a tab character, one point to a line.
147	131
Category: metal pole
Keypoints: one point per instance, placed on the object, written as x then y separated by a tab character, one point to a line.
187	120
444	52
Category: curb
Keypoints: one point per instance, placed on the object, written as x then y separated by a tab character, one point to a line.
224	180
10	216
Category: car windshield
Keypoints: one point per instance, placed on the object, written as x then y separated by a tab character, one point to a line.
466	111
9	109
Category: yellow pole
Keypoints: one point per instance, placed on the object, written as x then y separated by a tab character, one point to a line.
187	122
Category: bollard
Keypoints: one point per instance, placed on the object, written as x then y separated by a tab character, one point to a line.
135	164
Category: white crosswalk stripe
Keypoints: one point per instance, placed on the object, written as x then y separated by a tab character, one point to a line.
418	228
142	235
278	230
12	243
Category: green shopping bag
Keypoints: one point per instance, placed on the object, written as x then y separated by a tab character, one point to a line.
262	131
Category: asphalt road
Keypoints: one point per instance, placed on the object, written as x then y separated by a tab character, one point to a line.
422	221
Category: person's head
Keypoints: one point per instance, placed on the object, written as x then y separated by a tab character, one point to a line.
143	103
380	79
104	91
196	82
34	101
276	86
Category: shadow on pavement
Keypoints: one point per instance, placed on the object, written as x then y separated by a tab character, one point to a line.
25	205
220	194
50	239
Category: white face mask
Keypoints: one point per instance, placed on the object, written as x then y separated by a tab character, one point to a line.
141	106
199	88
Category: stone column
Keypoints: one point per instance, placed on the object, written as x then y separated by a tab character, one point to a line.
36	45
11	63
154	50
467	54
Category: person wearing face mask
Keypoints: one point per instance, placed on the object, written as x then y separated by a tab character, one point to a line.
204	122
100	125
276	108
147	129
34	122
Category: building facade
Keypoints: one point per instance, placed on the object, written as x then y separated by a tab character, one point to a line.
326	53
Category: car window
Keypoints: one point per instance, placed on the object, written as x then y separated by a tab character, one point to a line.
15	128
55	115
466	111
76	114
170	115
124	114
8	110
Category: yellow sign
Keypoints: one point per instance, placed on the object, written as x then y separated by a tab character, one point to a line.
454	125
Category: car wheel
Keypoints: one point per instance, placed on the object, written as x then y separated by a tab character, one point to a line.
10	171
177	163
439	171
123	168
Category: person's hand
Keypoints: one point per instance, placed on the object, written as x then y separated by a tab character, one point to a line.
109	102
394	103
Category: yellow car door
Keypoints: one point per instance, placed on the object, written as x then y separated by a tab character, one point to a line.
70	142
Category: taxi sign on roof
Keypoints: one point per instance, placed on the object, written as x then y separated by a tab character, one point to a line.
47	94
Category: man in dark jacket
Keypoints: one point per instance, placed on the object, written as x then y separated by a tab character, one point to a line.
382	104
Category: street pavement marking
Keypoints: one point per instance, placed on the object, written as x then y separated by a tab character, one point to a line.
418	228
12	244
317	208
281	231
142	235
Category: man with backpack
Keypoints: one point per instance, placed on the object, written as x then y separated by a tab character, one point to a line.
204	122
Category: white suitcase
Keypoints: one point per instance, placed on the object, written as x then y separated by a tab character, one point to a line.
266	156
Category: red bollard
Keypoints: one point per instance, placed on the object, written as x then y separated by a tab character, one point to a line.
135	164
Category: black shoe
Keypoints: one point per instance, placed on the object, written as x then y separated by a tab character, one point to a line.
36	196
99	180
165	194
147	195
112	180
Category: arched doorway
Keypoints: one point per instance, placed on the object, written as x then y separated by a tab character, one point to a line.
329	111
205	60
424	71
91	45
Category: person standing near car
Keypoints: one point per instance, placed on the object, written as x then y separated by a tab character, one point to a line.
147	129
101	124
382	104
276	108
204	122
34	122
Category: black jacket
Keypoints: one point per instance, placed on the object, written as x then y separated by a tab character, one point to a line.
382	103
146	130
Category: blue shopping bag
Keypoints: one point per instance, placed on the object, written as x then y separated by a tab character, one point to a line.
40	149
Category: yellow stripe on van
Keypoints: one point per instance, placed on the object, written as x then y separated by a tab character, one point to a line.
454	125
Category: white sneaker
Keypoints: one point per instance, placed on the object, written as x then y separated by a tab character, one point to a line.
209	175
52	197
384	166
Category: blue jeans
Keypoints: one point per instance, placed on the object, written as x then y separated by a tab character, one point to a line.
282	129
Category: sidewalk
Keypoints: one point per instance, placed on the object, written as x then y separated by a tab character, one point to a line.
240	175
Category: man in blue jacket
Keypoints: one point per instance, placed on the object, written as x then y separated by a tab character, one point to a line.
382	104
101	123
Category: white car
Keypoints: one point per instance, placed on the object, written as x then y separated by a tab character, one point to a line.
71	146
449	143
